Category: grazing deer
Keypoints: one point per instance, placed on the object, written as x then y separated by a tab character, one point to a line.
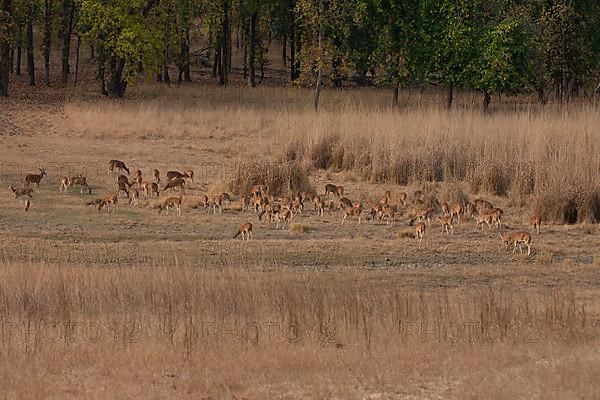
488	217
336	190
150	189
22	192
123	185
344	203
108	201
245	230
282	217
175	183
188	174
536	221
156	174
134	198
95	202
456	210
348	211
307	196
446	222
80	180
171	204
420	231
215	202
35	178
117	164
519	238
422	215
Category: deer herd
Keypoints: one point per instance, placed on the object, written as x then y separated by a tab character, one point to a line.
281	210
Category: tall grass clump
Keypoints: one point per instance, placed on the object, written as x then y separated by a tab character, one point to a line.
280	177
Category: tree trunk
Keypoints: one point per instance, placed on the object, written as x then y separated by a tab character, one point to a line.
11	60
486	101
67	28
184	68
292	44
224	61
5	49
47	39
216	62
284	50
252	50
319	60
565	87
30	60
450	96
396	99
77	50
116	84
165	68
19	46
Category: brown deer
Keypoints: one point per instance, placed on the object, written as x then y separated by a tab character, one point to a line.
420	231
536	221
175	183
171	204
156	174
117	164
188	174
334	189
108	201
150	189
245	230
35	178
22	192
519	238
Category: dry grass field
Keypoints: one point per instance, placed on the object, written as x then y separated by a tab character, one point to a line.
134	304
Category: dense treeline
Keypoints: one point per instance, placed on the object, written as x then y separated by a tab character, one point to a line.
550	47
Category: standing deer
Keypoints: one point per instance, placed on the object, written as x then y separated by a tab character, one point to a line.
35	178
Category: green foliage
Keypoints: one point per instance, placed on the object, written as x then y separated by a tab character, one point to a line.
122	31
503	64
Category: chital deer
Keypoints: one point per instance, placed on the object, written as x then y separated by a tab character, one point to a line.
388	213
123	185
80	180
498	214
519	238
344	203
536	221
108	201
422	215
376	212
245	230
94	203
134	198
21	192
336	190
259	190
175	183
156	175
137	179
171	204
226	197
150	189
244	203
35	178
445	209
349	211
214	201
402	197
117	164
456	210
486	216
481	204
446	222
420	231
319	205
282	217
188	174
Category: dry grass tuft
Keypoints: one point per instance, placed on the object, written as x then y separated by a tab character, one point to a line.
301	228
280	178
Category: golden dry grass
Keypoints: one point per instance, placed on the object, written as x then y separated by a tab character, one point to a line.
134	304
